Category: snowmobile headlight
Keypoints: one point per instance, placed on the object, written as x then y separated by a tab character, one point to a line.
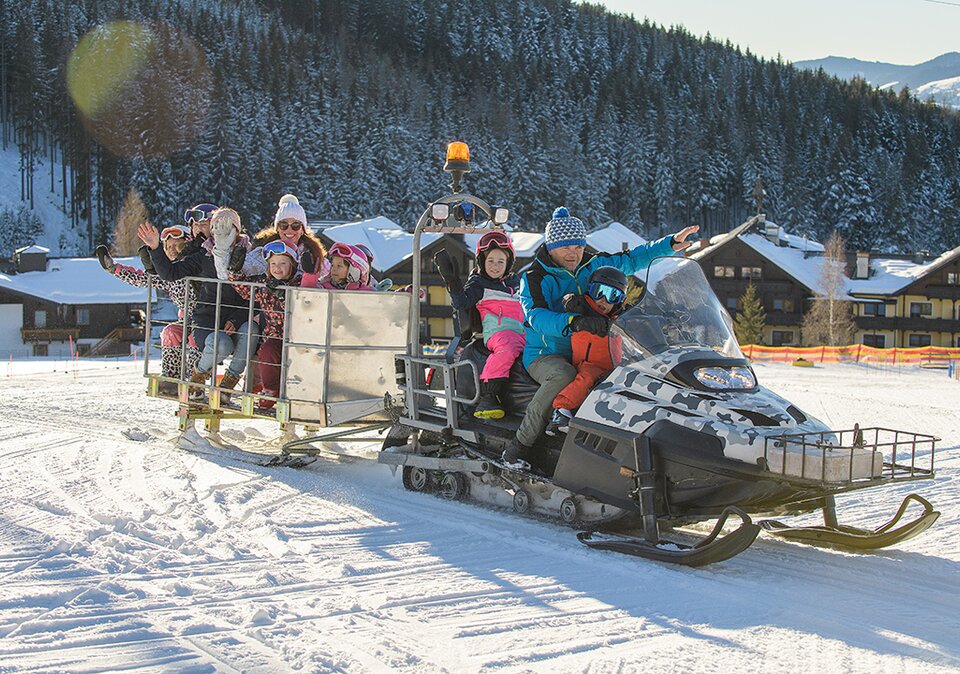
440	212
736	377
500	215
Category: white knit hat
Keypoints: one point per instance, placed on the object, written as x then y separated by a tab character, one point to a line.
290	209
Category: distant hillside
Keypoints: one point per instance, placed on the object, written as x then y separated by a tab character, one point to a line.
349	104
938	78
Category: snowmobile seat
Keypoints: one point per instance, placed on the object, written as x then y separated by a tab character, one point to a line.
518	392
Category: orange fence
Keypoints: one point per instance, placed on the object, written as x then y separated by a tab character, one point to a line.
928	356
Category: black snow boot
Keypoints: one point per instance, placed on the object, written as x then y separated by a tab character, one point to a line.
489	406
517	454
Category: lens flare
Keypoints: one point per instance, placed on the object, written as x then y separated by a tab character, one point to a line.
141	91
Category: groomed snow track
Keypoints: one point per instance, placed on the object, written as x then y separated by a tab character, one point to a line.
119	550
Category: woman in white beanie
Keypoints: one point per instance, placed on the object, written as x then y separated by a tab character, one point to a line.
290	226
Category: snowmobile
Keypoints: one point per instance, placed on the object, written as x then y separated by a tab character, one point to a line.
679	433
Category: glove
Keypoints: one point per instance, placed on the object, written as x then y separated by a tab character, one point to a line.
237	257
307	263
574	304
595	324
105	260
448	271
224	234
274	283
384	285
144	253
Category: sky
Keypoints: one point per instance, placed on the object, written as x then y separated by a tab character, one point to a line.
905	32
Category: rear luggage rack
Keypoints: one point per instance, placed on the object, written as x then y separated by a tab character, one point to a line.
850	458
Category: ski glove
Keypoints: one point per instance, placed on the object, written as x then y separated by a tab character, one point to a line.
448	271
595	324
144	253
105	260
307	263
224	234
237	257
574	304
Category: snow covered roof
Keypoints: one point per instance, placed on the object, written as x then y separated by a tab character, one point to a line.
76	281
806	270
32	249
891	275
610	238
389	242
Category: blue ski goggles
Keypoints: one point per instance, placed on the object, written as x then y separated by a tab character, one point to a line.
198	213
611	294
280	248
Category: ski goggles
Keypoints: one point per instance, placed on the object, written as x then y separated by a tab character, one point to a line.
295	226
175	232
495	239
610	294
280	248
199	213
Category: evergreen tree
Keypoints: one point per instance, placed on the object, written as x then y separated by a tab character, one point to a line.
829	321
751	319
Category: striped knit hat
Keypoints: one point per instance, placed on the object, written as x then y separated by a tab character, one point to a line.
565	230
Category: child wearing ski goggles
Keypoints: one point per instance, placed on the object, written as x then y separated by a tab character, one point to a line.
594	352
174	240
283	263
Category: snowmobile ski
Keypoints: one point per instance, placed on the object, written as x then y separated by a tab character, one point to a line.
713	548
860	539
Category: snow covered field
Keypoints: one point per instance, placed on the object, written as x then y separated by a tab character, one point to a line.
118	550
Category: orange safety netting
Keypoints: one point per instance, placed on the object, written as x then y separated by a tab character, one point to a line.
855	353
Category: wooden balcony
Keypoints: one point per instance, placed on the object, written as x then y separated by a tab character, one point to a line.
49	334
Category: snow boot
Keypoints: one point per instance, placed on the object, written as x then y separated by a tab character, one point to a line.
196	392
228	381
517	455
559	423
489	406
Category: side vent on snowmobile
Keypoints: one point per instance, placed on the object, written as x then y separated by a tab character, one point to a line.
636	396
797	415
758	418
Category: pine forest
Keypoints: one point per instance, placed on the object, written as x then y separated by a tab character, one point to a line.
349	104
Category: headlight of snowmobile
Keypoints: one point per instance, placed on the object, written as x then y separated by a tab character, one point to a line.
440	212
500	215
726	377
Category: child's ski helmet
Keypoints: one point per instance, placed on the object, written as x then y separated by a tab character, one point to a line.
495	239
608	283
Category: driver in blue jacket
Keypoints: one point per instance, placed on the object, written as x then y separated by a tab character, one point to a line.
561	267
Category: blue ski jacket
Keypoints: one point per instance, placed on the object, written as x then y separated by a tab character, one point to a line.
543	286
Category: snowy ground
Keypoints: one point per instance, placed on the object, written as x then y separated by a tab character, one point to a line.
119	550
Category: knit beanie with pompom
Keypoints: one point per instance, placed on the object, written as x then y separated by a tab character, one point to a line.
565	230
290	209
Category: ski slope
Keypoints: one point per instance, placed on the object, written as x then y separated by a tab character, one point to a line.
118	550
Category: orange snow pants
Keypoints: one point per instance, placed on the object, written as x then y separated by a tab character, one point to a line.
592	358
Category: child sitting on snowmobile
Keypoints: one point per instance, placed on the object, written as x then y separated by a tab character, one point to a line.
349	269
174	239
492	290
593	354
283	264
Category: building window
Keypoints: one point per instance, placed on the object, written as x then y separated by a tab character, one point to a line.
751	273
731	304
919	340
83	317
40	320
952	278
874	309
723	272
876	341
782	337
40	350
783	305
921	309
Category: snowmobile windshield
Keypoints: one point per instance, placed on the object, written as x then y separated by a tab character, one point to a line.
677	309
